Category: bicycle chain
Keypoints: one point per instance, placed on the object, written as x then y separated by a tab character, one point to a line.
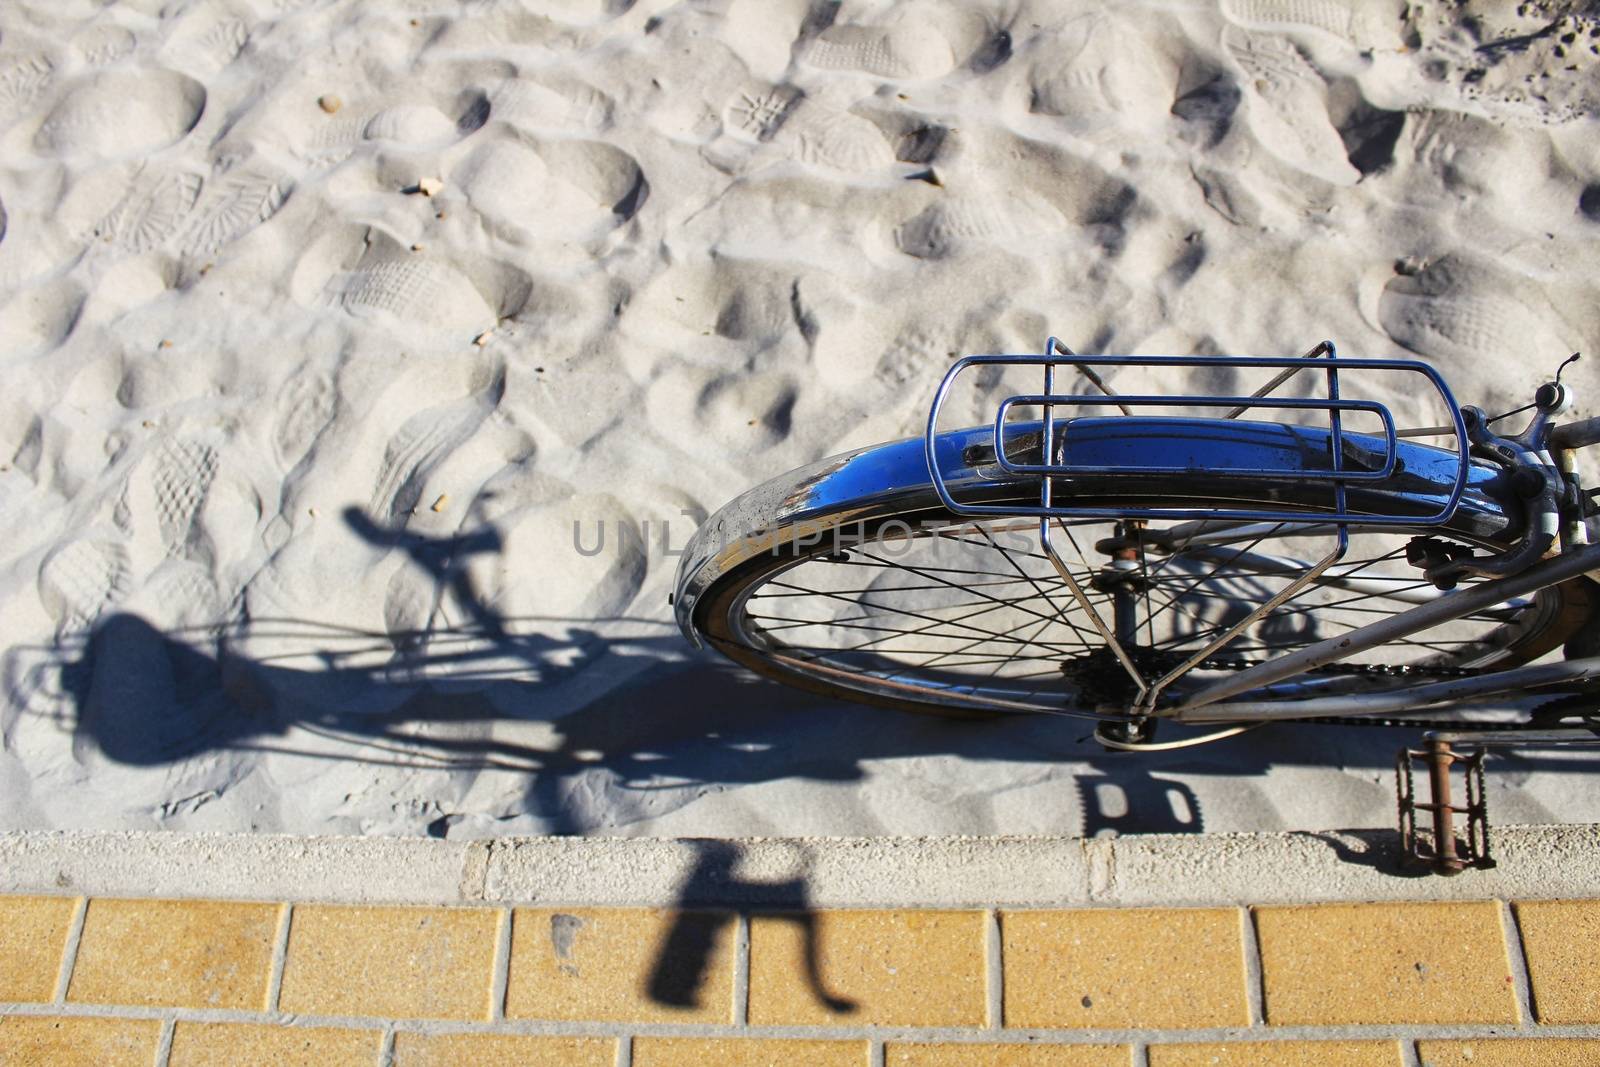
1383	670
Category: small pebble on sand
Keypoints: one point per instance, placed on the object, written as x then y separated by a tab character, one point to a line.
329	103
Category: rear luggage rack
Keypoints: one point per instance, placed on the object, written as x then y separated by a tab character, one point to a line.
1057	436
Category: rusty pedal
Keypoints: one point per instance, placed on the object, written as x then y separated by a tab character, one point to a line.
1440	848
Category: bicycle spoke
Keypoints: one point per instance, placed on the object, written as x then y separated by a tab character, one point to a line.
965	610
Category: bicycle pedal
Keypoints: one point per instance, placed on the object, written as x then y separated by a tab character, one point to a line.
1438	846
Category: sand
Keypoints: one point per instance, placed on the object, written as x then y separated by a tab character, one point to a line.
326	325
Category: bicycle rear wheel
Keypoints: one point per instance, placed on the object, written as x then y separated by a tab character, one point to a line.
850	579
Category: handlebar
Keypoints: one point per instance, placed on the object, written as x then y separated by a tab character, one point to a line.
1576	434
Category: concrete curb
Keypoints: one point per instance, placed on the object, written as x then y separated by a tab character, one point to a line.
949	872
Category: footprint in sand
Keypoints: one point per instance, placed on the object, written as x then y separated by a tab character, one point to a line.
102	44
305	408
121	113
578	556
567	189
583	12
1287	106
1475	157
990	217
423	442
201	510
757	111
826	136
179	593
206	42
1464	311
411	125
908	50
694	303
1360	23
417	289
406	125
917	40
746	410
156	207
235	203
464	393
838	324
82	578
168	488
552	103
23	78
915	354
1100	69
38	319
369	274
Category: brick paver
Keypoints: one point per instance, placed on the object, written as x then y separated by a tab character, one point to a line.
33	935
1158	967
1339	964
228	1044
892	968
168	983
621	964
1562	942
44	1041
1007	1055
1280	1054
747	1052
401	963
176	953
1510	1052
502	1050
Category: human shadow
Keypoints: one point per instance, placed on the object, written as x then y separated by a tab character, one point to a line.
681	965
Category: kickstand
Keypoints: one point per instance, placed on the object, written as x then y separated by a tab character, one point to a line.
1441	849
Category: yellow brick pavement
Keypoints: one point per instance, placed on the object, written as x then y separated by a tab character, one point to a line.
601	964
889	968
189	983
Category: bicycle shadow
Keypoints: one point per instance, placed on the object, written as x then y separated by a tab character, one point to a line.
638	720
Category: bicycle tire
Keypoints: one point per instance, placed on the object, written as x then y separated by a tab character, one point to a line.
850	501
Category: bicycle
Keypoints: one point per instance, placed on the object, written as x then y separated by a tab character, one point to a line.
1134	568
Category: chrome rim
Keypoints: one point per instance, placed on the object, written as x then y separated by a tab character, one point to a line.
972	615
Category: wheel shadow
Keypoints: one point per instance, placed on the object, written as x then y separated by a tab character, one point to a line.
605	723
643	713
